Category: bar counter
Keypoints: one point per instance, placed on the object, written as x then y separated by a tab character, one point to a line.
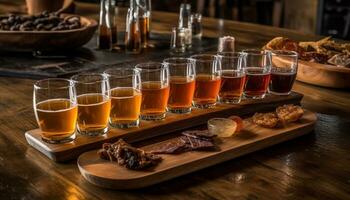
314	166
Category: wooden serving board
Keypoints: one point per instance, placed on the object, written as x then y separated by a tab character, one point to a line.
109	174
149	129
323	74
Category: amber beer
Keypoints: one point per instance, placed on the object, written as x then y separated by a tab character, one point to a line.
93	112
154	99
57	118
256	82
232	85
181	93
144	30
126	104
206	90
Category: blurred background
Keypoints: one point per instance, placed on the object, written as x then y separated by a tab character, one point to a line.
323	17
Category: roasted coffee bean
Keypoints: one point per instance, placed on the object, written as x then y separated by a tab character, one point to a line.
43	21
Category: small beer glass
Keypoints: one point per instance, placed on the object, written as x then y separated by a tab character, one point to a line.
208	80
182	83
232	76
55	108
283	72
154	89
125	95
93	103
257	71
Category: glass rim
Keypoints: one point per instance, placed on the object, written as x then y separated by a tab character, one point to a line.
200	57
256	52
103	78
284	53
184	59
150	66
231	54
110	72
37	84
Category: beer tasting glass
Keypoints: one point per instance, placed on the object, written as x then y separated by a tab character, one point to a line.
125	95
257	71
55	107
154	90
283	72
182	83
208	80
232	76
93	103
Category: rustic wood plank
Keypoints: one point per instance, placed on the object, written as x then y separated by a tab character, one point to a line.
108	174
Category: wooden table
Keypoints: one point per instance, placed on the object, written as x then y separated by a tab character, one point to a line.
315	166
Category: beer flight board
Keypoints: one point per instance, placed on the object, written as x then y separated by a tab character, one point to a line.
107	174
150	129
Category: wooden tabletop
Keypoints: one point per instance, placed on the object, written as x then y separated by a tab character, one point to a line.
315	166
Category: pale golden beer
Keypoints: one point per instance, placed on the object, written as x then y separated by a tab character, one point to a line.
57	118
94	104
126	103
93	112
56	110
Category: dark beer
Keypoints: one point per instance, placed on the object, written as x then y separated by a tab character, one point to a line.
256	82
281	83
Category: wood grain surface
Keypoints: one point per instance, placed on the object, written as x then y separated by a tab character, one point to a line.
251	138
314	166
149	129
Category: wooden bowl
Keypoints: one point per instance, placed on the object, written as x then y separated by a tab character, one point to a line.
48	40
323	75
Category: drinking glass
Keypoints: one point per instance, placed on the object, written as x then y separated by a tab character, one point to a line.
232	76
257	71
226	44
55	108
182	83
283	72
125	95
93	103
208	80
154	89
177	42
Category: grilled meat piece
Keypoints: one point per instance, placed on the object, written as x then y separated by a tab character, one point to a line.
126	155
189	141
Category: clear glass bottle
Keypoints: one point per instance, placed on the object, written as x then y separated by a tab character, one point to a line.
144	7
104	40
185	23
113	17
132	31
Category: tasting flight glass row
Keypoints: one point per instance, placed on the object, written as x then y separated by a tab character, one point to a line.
91	103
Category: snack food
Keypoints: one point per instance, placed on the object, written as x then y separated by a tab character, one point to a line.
289	113
268	120
44	21
239	122
197	140
325	51
128	156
